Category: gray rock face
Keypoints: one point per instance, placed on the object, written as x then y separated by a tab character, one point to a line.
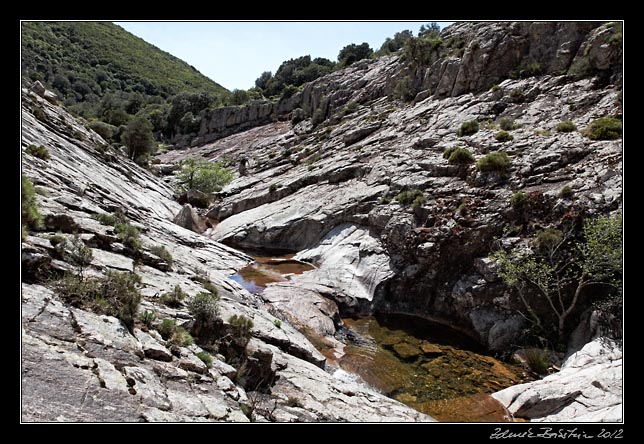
188	218
81	366
587	389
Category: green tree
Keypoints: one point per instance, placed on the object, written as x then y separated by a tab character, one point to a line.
204	176
138	137
31	217
352	53
561	270
431	30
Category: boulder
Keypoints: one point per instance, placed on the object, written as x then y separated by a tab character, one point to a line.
188	218
588	387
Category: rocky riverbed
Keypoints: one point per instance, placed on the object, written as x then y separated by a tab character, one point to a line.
327	192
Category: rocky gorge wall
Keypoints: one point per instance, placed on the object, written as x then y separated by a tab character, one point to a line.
79	366
307	180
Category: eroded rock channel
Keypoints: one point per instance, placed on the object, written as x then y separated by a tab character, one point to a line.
428	366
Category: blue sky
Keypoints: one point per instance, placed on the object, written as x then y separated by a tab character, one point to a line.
234	54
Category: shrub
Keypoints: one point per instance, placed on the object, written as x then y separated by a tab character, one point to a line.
40	114
407	197
241	326
297	116
75	252
566	192
204	307
162	253
418	201
105	130
503	136
148	318
507	124
548	239
405	89
181	338
468	128
494	161
138	137
458	155
174	297
517	95
38	151
57	239
205	358
531	69
277	323
31	216
120	291
604	128
115	294
566	127
203	176
272	188
519	200
106	218
129	235
166	328
352	53
495	88
537	360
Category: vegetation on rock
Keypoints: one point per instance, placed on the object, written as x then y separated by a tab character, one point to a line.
604	128
495	161
552	281
458	155
31	217
503	136
566	127
468	128
38	151
204	176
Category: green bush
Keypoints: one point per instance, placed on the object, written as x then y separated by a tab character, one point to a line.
468	128
181	338
352	53
494	161
503	136
38	151
458	155
241	326
272	188
40	114
407	197
566	127
148	318
57	239
204	176
277	323
516	95
115	294
537	360
105	130
106	218
31	216
418	201
405	89
548	239
519	200
129	235
120	290
166	328
566	192
604	128
162	253
204	307
205	358
507	124
174	297
138	137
